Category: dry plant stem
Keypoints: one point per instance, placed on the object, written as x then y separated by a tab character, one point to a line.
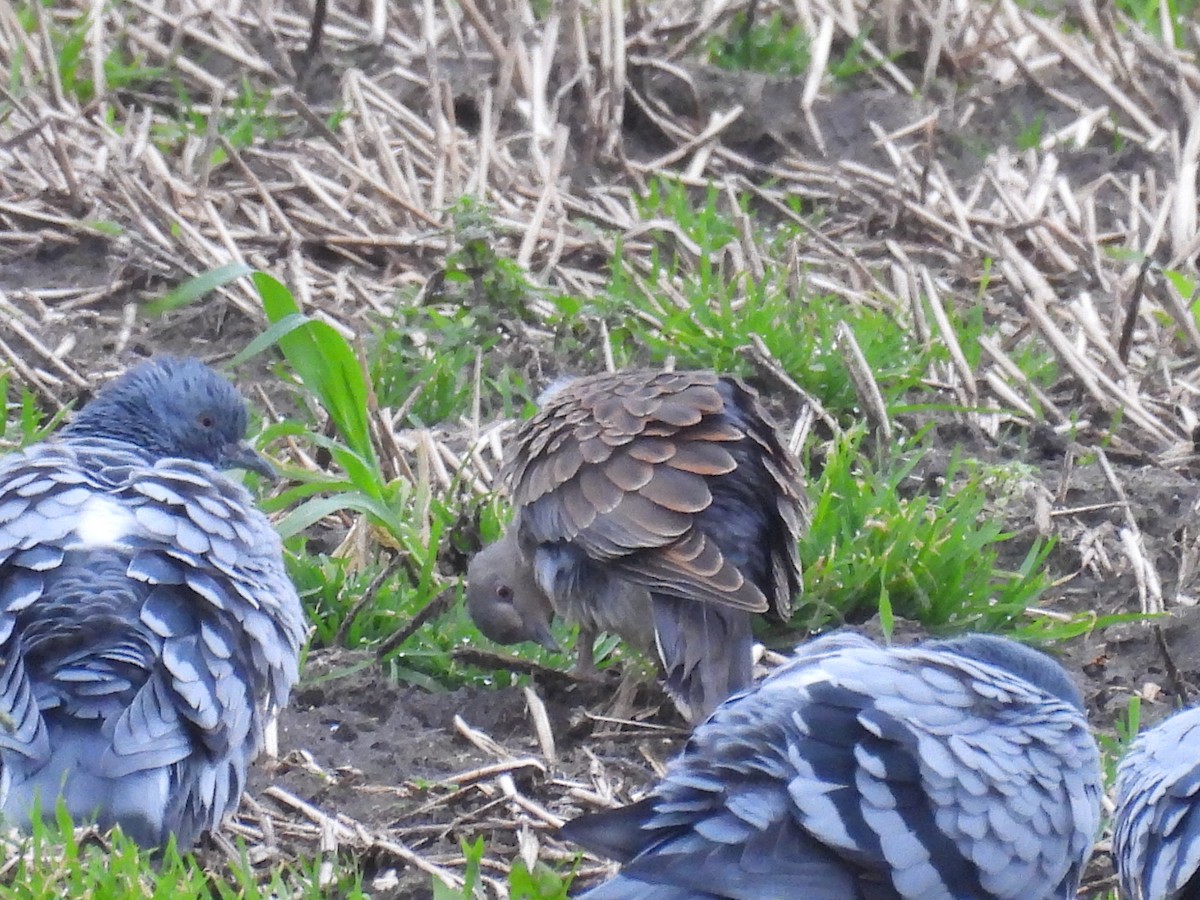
487	659
434	607
367	598
1178	686
1131	315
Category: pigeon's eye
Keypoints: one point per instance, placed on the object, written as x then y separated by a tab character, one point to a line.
205	420
504	592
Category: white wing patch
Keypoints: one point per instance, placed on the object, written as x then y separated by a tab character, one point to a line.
104	523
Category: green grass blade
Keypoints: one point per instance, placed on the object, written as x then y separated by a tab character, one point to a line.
195	288
312	511
325	363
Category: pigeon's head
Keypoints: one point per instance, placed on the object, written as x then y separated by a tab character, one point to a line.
173	407
503	599
1031	665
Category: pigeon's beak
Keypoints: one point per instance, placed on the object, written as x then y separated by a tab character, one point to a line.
242	456
546	639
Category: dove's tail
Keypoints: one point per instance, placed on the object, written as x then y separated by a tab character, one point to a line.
707	651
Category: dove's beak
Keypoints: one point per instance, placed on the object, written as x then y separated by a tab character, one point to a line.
242	456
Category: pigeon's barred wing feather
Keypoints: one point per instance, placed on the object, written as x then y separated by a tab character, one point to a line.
150	597
860	772
1156	833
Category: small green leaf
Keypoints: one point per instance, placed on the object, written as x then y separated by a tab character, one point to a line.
105	227
887	621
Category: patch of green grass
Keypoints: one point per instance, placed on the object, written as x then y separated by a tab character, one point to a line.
774	47
495	285
765	45
705	315
881	541
422	358
423	361
688	300
25	421
1113	749
331	587
54	861
122	70
543	883
853	61
250	118
875	544
1029	136
1147	13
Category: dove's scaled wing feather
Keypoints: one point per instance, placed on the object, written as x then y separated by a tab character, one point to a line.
164	630
859	772
1156	832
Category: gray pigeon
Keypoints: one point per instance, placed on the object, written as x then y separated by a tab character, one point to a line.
957	770
147	627
1156	835
661	506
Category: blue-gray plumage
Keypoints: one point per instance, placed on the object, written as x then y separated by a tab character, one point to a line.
1156	835
956	770
661	506
148	629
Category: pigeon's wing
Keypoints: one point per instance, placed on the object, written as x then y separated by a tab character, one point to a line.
701	848
965	780
620	465
40	499
216	605
231	557
1156	833
859	772
722	823
233	663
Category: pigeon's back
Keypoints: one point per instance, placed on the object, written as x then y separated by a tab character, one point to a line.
862	772
147	632
1156	828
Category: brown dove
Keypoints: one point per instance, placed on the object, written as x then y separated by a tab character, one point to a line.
660	506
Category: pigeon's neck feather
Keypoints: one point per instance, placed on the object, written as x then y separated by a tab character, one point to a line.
126	420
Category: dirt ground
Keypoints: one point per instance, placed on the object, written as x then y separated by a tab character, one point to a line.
917	191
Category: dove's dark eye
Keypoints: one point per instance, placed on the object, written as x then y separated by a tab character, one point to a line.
206	420
504	592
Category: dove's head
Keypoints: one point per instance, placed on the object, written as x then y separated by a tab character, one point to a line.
173	407
503	598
